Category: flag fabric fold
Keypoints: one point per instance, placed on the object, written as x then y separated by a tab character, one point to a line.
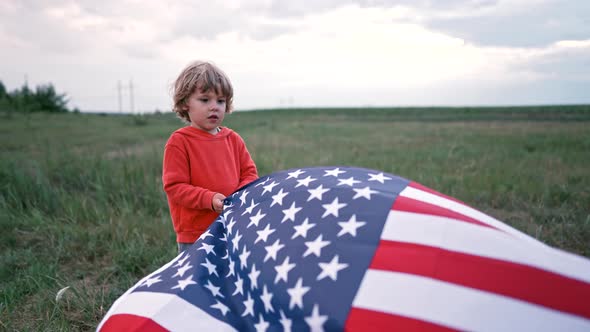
344	248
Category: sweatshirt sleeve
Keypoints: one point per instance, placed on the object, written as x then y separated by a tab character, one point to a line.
248	171
176	181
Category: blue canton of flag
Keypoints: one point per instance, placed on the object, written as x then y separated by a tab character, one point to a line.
274	259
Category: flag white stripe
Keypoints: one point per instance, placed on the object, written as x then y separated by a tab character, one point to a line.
458	307
429	198
170	311
472	239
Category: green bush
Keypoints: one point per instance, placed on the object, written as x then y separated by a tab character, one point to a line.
43	99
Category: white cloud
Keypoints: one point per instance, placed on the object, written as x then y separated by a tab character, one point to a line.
573	44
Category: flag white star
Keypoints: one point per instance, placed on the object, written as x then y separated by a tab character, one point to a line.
334	172
283	270
290	213
249	304
331	269
222	220
226	254
230	226
232	267
236	240
218	305
254	220
262	325
205	235
183	259
272	250
253	275
316	321
262	183
301	230
207	247
225	214
350	181
365	193
296	293
278	198
295	174
305	182
266	298
239	286
210	267
213	289
332	208
244	257
182	284
315	246
285	322
378	177
350	226
317	193
180	272
250	208
269	187
243	197
263	234
150	281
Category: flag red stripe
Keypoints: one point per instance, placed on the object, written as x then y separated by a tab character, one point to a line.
127	322
415	206
434	192
368	320
502	277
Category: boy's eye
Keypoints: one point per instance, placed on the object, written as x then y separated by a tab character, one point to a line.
221	101
203	100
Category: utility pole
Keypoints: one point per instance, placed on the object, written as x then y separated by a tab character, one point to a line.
132	110
119	88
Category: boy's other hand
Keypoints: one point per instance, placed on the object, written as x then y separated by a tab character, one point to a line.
217	203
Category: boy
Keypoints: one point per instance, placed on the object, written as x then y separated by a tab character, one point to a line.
203	162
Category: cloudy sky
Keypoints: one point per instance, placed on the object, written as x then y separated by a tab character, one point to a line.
282	53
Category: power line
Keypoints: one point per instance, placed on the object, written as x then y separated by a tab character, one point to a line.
120	91
132	107
119	88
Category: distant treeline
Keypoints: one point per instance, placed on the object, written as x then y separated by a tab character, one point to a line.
43	99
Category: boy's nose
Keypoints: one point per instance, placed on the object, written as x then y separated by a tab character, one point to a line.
213	106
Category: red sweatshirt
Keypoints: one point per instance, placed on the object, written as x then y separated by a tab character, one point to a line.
196	166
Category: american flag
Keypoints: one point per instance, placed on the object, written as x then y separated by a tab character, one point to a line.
342	248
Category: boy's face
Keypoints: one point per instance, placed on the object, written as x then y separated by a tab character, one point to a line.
206	110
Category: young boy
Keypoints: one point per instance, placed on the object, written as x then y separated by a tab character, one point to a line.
203	162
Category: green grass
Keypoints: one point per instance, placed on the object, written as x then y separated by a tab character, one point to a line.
81	203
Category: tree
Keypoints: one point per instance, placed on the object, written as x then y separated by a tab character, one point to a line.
43	99
5	102
50	101
3	93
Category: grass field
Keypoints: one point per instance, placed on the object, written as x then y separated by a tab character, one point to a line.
81	203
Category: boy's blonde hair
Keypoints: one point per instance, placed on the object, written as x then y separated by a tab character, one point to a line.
204	76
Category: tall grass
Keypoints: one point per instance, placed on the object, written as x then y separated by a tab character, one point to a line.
81	203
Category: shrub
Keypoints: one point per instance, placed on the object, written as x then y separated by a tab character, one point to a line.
43	99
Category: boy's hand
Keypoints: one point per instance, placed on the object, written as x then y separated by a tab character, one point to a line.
217	203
